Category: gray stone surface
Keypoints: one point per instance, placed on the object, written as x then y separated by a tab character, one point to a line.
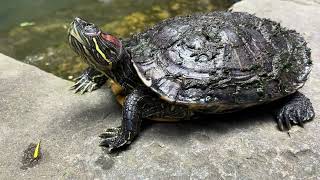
35	105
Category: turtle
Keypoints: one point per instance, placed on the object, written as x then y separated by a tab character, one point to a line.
186	66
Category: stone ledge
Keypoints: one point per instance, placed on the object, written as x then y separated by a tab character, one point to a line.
36	105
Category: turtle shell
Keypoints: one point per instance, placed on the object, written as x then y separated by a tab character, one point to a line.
221	60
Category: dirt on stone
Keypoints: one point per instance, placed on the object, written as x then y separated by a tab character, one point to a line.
28	160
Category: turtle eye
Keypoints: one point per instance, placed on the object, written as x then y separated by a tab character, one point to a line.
91	30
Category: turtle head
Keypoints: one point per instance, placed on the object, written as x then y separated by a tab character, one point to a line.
99	49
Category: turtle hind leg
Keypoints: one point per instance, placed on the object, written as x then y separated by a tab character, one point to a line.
296	110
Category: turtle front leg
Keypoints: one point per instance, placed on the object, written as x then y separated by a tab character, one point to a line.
89	80
296	111
141	103
134	104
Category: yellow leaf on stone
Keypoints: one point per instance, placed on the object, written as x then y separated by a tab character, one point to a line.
37	151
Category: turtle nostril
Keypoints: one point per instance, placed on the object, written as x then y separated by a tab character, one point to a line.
79	21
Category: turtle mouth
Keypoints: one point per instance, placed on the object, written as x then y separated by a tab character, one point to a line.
76	38
75	31
76	45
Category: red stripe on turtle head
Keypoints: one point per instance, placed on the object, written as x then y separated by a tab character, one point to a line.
111	39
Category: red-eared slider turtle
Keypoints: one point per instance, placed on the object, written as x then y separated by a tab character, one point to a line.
218	62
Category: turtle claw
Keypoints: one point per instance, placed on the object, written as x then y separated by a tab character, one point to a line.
78	78
84	85
92	88
86	88
111	132
76	84
106	135
298	111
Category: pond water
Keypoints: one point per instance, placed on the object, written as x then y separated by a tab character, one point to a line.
34	31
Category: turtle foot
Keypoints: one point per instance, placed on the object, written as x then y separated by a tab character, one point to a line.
114	138
83	85
88	81
296	111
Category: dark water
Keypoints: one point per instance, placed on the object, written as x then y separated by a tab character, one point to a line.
34	31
